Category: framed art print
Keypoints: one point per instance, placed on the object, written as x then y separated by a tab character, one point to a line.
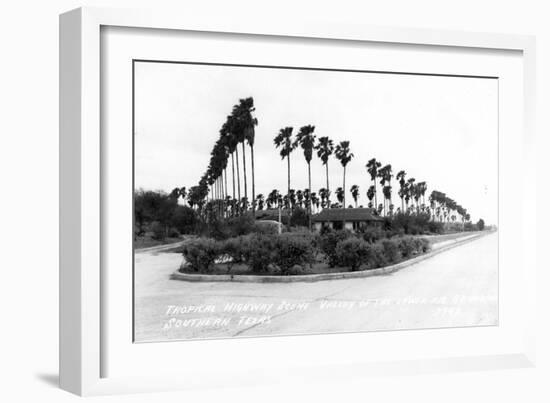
244	198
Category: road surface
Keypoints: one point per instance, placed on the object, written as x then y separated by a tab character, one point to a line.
457	287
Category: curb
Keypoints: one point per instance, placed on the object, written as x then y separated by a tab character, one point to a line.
159	248
310	278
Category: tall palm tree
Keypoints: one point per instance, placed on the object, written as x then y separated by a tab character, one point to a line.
385	174
410	190
344	155
248	123
325	148
284	141
239	132
233	142
306	140
422	188
372	168
355	193
401	177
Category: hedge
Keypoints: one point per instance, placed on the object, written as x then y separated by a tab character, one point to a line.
294	251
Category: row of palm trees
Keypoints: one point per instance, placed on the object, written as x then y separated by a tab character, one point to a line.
239	130
444	208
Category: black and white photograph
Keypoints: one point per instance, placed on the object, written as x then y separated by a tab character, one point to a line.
275	201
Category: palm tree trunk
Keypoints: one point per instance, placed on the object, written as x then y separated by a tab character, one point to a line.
233	173
288	190
288	179
233	177
238	176
309	189
328	189
344	189
244	173
224	192
375	197
253	184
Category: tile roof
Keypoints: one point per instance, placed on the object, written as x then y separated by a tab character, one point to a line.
347	214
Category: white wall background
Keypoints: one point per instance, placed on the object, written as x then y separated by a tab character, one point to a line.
29	202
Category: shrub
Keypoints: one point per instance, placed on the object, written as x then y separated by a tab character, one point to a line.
328	242
480	224
184	219
173	233
292	251
158	230
241	225
412	224
406	246
390	250
201	253
257	251
266	227
233	250
372	235
435	227
422	245
217	229
377	257
352	252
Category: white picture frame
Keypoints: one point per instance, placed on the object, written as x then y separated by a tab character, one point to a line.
82	347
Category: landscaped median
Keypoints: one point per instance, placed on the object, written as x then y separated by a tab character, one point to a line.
295	259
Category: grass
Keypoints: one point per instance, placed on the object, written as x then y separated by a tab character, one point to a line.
448	237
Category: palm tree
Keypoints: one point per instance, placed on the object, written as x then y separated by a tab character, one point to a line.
306	140
372	168
315	201
260	201
370	195
238	130
344	155
355	193
292	199
229	141
410	190
401	177
300	197
230	132
323	194
325	148
386	191
272	198
422	188
284	141
248	123
385	173
340	195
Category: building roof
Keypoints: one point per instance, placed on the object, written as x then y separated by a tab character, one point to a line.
347	214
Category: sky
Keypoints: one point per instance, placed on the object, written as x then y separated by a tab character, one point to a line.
441	130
